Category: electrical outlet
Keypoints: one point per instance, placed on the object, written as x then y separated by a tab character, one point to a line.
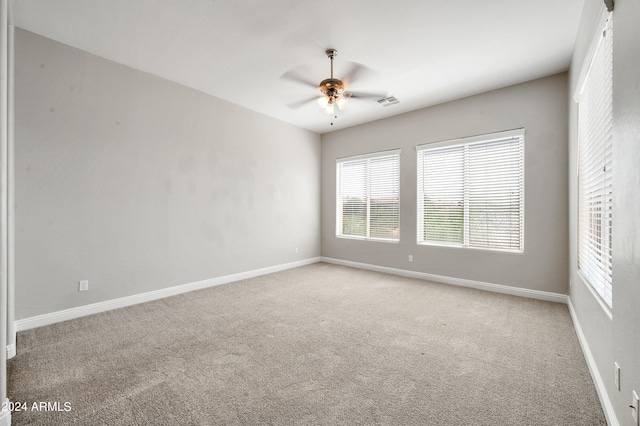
616	375
296	250
635	406
410	258
83	285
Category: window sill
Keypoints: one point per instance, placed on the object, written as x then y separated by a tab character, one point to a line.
377	240
606	308
479	249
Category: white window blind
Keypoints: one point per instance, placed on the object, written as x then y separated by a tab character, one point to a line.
368	196
471	192
595	190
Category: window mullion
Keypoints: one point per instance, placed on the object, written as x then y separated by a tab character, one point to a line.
368	192
339	205
466	196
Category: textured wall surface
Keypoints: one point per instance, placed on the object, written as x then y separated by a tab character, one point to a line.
137	184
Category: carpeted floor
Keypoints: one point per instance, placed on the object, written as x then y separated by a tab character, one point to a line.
320	344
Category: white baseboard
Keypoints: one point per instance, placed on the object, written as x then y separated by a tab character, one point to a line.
601	389
5	416
11	350
496	288
80	311
94	308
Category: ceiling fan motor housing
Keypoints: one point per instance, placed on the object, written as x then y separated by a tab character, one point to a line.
331	87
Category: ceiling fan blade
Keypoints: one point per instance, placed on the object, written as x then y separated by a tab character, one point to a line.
300	103
356	72
297	77
365	95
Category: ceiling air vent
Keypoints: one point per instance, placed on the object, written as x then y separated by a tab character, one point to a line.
388	101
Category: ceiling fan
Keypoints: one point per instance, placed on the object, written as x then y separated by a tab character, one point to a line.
333	91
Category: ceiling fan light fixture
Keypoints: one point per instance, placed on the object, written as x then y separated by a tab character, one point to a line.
323	101
342	102
329	108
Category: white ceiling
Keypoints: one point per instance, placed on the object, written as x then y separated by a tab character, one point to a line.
423	52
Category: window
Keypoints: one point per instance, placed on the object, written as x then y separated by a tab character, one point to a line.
471	192
368	196
595	191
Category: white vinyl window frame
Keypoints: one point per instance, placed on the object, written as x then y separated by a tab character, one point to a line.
368	196
594	96
470	192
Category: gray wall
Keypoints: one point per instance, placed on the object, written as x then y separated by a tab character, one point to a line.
540	106
137	184
614	336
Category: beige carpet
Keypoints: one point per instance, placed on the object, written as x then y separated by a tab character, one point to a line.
321	344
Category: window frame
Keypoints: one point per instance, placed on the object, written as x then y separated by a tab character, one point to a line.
339	212
588	258
518	134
